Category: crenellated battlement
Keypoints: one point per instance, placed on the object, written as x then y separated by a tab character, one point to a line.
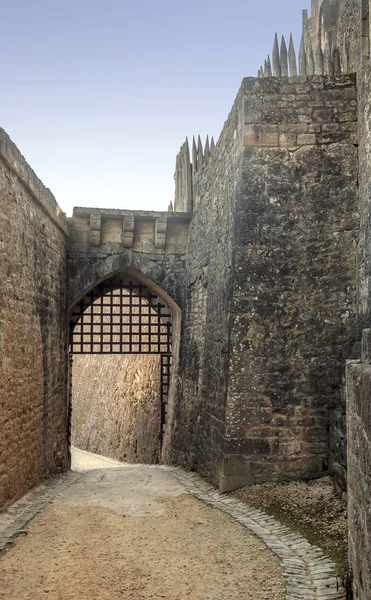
186	171
329	44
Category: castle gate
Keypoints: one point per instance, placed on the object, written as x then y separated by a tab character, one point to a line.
122	316
126	287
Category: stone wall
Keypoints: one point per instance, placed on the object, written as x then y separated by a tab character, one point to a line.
199	413
270	312
352	31
116	406
33	342
294	305
358	380
341	28
358	389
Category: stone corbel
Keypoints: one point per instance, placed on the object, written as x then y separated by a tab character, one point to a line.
95	229
128	226
160	233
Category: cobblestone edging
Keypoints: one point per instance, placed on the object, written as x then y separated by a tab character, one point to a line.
309	574
14	520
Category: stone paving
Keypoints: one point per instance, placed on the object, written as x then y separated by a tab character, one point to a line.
309	574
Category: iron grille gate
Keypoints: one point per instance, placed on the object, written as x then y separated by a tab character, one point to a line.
119	317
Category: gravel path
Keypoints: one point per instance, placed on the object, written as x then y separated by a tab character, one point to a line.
129	532
113	531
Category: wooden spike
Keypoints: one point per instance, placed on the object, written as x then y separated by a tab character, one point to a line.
207	148
303	55
319	59
345	57
304	19
276	58
194	155
302	58
186	151
176	179
269	66
292	58
309	55
336	61
200	153
284	65
327	62
183	180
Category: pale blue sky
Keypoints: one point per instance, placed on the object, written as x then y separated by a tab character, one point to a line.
99	96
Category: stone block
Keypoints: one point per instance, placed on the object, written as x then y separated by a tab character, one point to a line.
234	473
337	137
94	238
261	136
95	229
306	139
128	227
248	446
352	126
253	109
287	140
330	127
320	448
316	128
323	115
127	239
251	135
95	222
294	128
160	233
346	117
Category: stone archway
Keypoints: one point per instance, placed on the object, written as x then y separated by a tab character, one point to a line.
124	340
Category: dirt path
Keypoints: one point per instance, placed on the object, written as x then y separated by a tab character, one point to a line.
133	532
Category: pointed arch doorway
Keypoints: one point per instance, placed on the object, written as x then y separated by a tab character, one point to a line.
126	315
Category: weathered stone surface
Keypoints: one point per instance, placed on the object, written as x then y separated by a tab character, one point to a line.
358	380
293	313
33	337
116	406
290	306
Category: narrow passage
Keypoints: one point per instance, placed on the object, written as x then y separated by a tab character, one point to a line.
131	532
